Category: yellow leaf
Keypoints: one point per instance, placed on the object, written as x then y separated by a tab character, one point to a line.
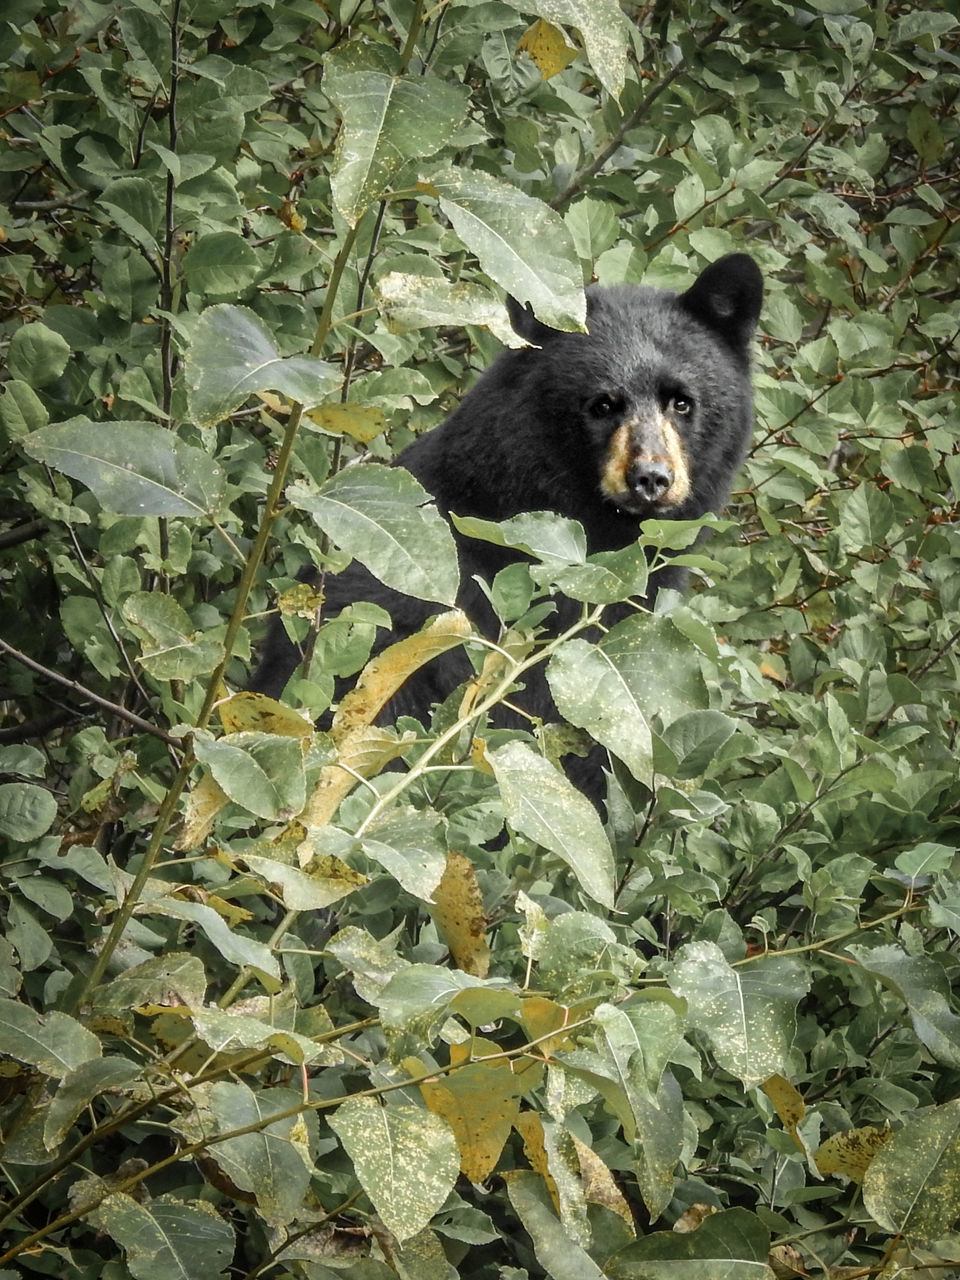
205	801
301	601
693	1217
362	752
530	1128
547	46
354	420
850	1152
598	1184
539	1016
459	915
481	1102
383	675
256	713
788	1103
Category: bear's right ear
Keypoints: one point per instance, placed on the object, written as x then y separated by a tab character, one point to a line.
526	325
727	296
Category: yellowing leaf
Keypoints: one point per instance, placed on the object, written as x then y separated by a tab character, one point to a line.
362	752
598	1184
530	1128
480	1101
260	714
547	46
205	801
539	1017
357	421
788	1103
850	1152
383	675
459	915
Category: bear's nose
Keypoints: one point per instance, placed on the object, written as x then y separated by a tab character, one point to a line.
650	479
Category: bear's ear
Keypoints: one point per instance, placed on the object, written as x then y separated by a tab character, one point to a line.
727	296
526	325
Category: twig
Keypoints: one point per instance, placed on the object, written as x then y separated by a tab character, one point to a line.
631	122
89	696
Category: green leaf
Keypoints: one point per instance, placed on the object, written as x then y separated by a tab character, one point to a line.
232	355
730	1245
409	302
232	945
747	1013
221	263
21	409
261	772
275	1163
387	120
410	845
36	355
912	1185
172	648
521	243
417	998
312	889
543	534
544	806
229	1031
866	515
924	988
77	1090
168	981
134	205
560	1257
385	518
592	693
405	1157
133	468
613	689
169	1238
26	811
55	1044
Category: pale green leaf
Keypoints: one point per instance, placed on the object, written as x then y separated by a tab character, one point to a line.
133	468
387	119
26	811
384	517
912	1185
55	1044
167	1238
545	807
405	1157
747	1013
232	355
521	243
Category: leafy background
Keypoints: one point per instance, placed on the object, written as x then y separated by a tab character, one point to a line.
271	1008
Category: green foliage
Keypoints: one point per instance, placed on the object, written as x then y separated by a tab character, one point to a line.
245	244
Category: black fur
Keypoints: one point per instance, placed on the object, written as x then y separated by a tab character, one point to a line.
535	432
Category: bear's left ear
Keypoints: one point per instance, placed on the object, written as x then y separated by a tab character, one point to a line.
727	296
526	325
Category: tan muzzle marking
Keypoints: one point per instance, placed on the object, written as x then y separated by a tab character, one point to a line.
646	440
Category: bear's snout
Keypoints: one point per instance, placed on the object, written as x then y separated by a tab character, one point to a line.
645	465
649	478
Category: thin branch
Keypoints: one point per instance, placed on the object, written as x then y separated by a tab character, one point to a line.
631	122
89	696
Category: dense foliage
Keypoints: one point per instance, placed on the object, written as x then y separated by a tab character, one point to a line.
275	1006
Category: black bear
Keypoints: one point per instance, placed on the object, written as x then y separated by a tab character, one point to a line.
646	414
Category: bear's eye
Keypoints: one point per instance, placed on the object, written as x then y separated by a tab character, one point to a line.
604	405
680	405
